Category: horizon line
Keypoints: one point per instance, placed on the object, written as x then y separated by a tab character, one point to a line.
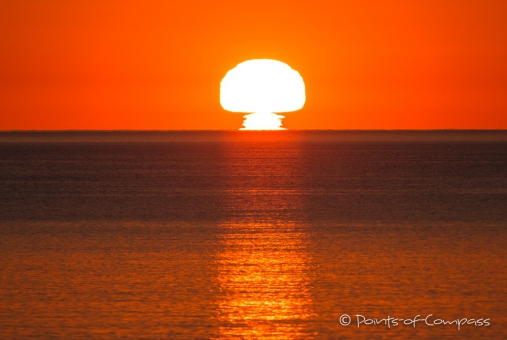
249	131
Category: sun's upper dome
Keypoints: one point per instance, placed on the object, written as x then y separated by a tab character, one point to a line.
262	85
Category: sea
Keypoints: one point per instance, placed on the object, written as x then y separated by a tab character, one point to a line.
253	235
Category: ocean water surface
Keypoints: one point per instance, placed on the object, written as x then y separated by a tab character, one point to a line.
252	235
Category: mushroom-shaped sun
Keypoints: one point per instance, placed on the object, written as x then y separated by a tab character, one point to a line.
262	87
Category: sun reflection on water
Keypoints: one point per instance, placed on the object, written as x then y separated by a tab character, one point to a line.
263	277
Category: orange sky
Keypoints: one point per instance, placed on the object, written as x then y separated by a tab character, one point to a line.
367	64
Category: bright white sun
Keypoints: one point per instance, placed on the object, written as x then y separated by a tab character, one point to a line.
262	87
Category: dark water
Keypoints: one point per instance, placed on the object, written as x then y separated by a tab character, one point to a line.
222	235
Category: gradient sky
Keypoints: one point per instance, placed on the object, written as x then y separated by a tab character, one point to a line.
367	64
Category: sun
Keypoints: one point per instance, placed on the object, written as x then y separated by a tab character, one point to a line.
262	87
